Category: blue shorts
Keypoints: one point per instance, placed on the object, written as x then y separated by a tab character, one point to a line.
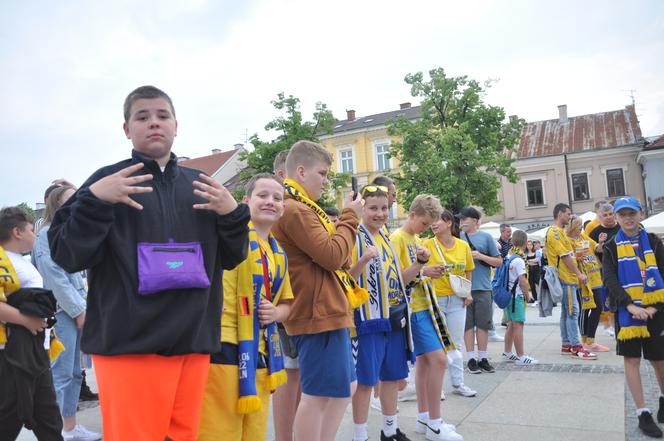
381	356
425	338
326	363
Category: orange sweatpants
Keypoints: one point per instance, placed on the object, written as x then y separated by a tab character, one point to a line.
151	397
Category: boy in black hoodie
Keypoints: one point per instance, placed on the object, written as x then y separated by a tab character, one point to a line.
155	237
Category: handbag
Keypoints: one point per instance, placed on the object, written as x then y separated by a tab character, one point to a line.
170	266
460	285
399	316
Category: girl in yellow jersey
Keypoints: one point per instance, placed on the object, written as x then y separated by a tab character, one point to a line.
454	256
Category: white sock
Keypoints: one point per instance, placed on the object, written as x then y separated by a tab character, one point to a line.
640	411
435	424
482	354
507	354
423	417
390	425
360	432
470	354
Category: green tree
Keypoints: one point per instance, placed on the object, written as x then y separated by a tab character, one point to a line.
459	147
290	128
28	210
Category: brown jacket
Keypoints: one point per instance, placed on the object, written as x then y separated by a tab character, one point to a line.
320	303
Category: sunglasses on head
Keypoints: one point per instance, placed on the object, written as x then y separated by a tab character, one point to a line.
373	189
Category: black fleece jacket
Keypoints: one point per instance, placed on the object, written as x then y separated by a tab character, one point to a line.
88	233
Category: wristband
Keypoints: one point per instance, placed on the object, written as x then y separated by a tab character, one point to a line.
422	262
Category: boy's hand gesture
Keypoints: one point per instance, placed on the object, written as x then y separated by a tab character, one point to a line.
355	204
370	253
267	312
219	199
118	186
423	253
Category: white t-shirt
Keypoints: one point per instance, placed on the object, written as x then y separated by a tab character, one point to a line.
26	271
517	269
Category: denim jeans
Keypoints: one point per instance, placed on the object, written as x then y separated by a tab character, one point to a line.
569	316
455	314
66	369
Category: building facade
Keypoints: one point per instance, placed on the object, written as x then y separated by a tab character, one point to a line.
576	160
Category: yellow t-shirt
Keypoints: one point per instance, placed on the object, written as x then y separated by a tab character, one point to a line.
229	312
558	245
394	294
458	259
589	265
405	245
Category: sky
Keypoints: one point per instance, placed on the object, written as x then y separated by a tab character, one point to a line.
68	66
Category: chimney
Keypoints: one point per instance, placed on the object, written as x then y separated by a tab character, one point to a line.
404	106
562	113
216	151
350	115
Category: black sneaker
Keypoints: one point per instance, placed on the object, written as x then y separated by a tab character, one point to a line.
660	412
485	366
86	394
648	426
473	367
399	436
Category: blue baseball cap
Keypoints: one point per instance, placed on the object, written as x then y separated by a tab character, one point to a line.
626	202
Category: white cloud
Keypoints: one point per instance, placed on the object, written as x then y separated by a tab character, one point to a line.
67	69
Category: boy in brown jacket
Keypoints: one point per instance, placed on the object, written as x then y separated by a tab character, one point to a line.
321	313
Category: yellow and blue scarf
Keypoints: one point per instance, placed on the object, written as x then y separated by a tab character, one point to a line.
437	317
374	315
251	289
355	294
640	278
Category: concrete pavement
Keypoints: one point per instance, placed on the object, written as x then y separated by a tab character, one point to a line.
559	399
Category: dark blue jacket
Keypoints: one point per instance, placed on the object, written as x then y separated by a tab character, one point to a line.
88	233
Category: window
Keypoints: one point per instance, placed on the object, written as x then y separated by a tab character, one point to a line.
615	182
580	188
535	191
346	158
383	156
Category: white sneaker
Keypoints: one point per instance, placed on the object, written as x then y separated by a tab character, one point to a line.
421	427
526	361
375	404
442	396
610	332
408	394
464	391
80	433
444	433
510	356
496	337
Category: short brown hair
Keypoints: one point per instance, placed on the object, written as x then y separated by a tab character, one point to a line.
251	184
427	205
519	238
145	92
307	154
10	218
280	161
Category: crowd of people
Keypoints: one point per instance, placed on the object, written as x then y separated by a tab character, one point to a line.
198	310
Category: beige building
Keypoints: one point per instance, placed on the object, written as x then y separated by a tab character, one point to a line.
576	160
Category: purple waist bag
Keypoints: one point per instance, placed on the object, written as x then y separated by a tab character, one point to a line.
172	265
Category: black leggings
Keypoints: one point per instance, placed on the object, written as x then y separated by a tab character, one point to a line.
589	318
533	279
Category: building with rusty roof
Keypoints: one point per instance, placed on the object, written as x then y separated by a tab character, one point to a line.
576	160
223	166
